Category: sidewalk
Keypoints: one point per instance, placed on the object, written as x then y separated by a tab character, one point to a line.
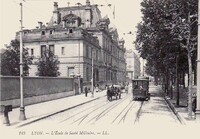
42	110
182	110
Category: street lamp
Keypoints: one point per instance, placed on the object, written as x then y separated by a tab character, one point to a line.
22	108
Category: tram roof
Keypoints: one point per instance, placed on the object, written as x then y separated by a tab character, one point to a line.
141	78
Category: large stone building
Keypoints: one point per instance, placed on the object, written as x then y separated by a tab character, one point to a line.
76	34
133	65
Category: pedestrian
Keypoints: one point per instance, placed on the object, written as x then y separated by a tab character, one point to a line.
126	89
141	87
86	91
97	88
106	86
109	97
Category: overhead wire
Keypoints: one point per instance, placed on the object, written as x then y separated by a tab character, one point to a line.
32	11
28	7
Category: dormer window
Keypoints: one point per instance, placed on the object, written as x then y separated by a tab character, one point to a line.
43	32
72	20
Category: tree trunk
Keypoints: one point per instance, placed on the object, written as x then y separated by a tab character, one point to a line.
190	72
177	82
183	80
195	75
167	85
190	86
171	88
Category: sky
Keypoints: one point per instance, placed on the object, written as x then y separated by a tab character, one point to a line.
127	16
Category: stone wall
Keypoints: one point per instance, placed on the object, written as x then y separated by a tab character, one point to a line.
36	89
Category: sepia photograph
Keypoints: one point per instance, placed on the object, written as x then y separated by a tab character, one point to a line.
100	69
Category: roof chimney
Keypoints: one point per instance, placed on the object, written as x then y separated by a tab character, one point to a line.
55	6
40	24
87	2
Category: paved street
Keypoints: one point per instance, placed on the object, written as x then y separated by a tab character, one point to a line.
123	111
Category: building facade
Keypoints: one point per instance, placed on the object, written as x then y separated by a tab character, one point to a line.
133	65
76	35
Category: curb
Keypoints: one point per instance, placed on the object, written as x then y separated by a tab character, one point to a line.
54	113
179	117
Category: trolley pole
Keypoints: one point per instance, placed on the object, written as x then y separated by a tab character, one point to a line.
198	68
22	108
79	61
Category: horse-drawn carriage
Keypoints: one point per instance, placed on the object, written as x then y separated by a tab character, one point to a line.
114	91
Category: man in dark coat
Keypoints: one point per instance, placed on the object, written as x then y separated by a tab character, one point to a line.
108	93
86	91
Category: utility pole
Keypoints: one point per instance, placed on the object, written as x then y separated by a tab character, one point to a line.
79	69
198	67
92	80
79	61
22	108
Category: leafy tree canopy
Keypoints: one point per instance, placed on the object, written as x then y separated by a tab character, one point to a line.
48	65
10	60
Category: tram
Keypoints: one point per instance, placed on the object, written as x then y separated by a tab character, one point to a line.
140	88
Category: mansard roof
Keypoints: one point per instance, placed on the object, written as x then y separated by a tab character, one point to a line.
71	17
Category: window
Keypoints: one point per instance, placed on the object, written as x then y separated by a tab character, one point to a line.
43	50
97	75
51	32
43	32
32	52
97	55
87	51
62	50
51	48
87	74
70	71
70	31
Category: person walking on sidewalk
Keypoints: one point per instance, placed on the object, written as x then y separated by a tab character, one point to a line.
86	91
126	89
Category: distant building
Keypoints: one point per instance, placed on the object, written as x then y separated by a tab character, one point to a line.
133	65
76	34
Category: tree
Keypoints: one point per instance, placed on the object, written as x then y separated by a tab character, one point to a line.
154	38
48	65
167	38
188	36
10	60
